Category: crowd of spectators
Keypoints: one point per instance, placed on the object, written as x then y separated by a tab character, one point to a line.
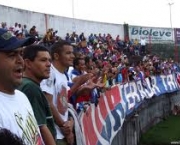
106	57
94	63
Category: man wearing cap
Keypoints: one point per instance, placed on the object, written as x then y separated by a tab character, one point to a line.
16	113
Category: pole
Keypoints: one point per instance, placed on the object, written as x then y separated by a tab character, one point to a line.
170	13
175	46
170	4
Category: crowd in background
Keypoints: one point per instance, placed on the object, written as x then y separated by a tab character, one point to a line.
88	65
110	59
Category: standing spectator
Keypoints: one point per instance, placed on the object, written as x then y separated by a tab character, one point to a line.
55	36
124	71
67	38
143	45
100	38
15	28
25	31
77	40
19	28
58	93
117	38
82	37
91	39
73	37
136	42
136	47
140	76
104	38
55	33
48	37
37	67
16	113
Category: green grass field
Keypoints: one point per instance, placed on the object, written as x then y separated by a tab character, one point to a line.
164	133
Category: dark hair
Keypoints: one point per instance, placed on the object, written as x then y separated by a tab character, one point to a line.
87	59
30	52
76	61
58	47
9	138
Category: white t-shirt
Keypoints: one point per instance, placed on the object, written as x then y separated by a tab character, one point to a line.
143	42
16	28
16	115
57	86
70	71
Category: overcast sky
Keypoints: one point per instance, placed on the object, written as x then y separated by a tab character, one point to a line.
134	12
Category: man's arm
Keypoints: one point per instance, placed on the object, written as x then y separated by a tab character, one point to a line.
46	135
79	81
56	116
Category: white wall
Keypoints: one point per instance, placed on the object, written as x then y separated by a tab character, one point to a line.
12	15
62	24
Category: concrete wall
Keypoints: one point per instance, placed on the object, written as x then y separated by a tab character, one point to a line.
147	115
12	15
68	25
62	24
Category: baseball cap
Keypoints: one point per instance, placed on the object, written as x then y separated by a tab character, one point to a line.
9	42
